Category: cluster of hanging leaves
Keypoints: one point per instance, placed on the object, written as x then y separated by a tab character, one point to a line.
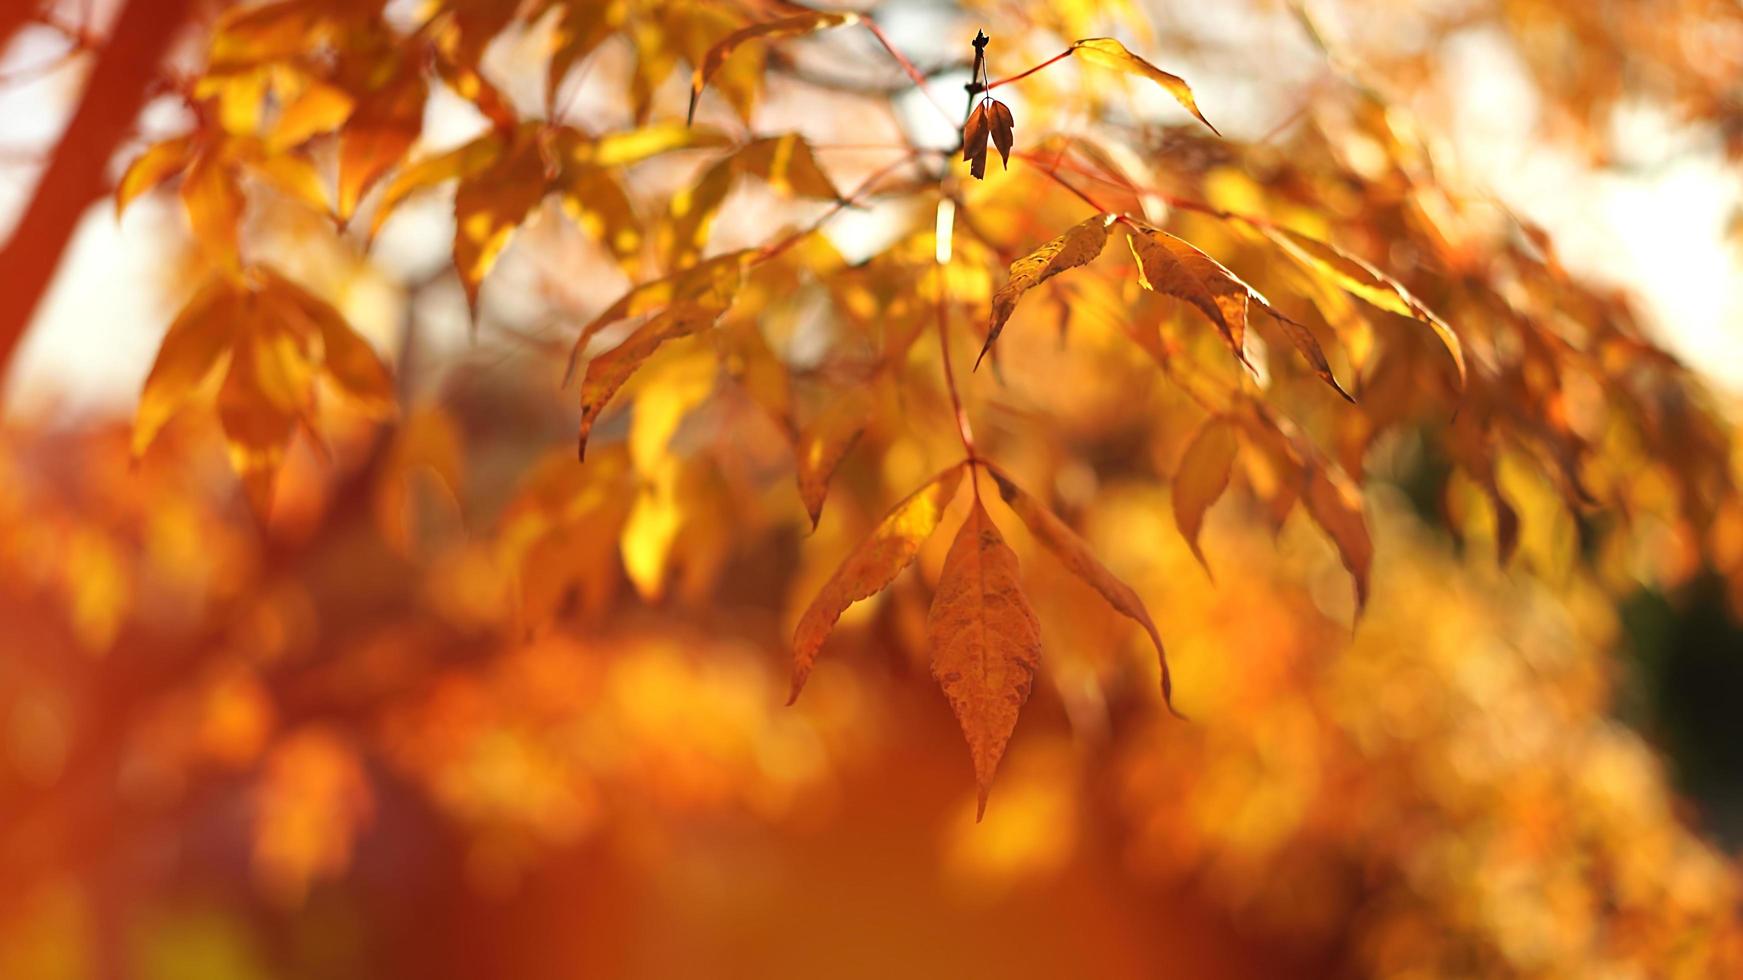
1513	373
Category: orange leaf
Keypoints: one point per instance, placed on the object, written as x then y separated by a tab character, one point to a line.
871	567
1201	479
986	642
1078	246
199	336
214	205
1073	552
158	163
1109	53
377	136
1170	265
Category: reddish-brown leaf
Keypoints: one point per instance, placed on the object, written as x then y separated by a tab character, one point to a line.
974	139
1336	506
1003	129
986	642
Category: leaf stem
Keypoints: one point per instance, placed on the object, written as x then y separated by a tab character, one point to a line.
946	228
907	66
989	86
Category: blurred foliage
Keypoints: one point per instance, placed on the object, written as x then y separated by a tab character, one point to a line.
338	663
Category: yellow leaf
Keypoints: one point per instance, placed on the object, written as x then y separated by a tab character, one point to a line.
490	205
1109	53
214	206
821	447
595	202
295	175
650	530
1201	479
633	146
804	23
607	372
157	164
1074	553
321	108
1078	246
198	337
667	394
345	357
871	567
713	282
986	642
788	164
691	214
460	162
1336	505
264	395
1361	280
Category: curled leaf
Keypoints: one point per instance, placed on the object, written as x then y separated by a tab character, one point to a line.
1109	53
871	567
1078	246
1170	265
1201	479
974	139
986	642
1308	345
1074	553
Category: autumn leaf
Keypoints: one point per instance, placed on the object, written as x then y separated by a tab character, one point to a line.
1074	553
711	283
158	163
1078	246
1201	479
607	372
975	133
822	445
378	134
986	642
1109	53
1170	265
871	567
802	23
280	339
1003	130
1336	506
1361	280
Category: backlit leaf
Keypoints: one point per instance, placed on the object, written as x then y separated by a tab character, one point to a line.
822	445
1172	266
871	567
1336	506
802	23
1361	280
1078	246
158	163
986	642
607	372
1201	479
1109	53
1075	554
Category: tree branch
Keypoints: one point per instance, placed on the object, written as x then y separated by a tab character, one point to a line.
76	175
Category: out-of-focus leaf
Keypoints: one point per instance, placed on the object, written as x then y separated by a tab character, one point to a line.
1336	506
871	567
986	642
379	132
1078	246
200	334
1361	280
822	445
1075	554
1201	479
214	205
800	23
607	372
788	163
158	163
1109	53
490	205
461	162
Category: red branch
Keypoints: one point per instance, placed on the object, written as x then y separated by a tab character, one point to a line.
75	176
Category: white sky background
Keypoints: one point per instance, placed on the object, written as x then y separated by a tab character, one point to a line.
1658	229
